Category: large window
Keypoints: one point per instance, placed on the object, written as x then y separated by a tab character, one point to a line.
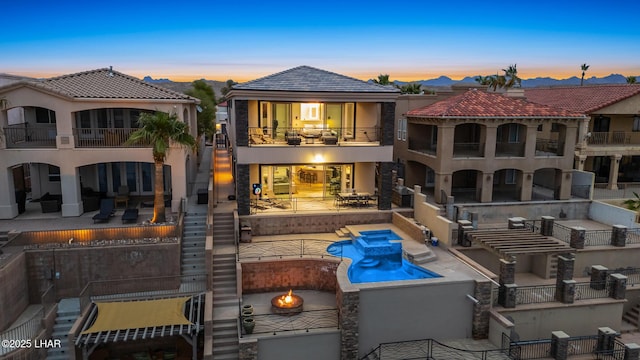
306	180
45	116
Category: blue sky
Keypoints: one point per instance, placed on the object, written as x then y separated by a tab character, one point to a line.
409	40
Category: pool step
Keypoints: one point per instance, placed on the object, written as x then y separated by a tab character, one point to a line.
418	256
343	233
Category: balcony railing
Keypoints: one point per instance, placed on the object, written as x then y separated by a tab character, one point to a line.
104	137
422	146
509	149
25	136
461	149
614	138
313	135
549	147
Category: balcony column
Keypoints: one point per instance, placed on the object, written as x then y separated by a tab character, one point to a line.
530	141
580	159
444	148
442	183
490	139
70	184
563	180
526	186
4	122
484	184
8	206
583	130
613	172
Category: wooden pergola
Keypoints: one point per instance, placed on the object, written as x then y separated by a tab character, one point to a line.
509	243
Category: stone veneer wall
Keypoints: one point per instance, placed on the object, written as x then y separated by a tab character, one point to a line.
408	226
388	114
481	310
385	186
312	223
243	189
14	296
282	275
241	108
80	265
348	313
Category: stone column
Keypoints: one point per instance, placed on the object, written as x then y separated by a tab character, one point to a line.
619	287
508	288
530	144
526	186
71	198
248	349
546	227
568	293
241	110
463	227
8	206
577	237
508	295
631	351
619	235
515	223
243	189
348	311
613	172
579	162
507	272
599	275
486	186
442	183
385	188
481	310
606	338
559	345
565	185
564	274
387	118
490	136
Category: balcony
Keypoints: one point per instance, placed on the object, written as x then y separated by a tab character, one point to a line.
259	136
422	146
24	136
104	137
614	138
549	147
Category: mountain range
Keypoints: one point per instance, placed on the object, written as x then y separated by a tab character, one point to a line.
442	81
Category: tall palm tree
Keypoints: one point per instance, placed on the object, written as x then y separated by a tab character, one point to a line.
584	68
411	88
497	81
633	204
631	79
160	130
511	76
483	80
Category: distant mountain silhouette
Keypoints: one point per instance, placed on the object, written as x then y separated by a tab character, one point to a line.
182	87
535	82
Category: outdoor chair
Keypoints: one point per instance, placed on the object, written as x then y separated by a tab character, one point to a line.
123	195
107	208
130	215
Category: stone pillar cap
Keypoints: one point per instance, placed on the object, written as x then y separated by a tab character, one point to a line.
559	334
618	276
619	226
547	217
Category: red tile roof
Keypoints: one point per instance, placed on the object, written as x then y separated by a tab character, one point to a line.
584	99
482	104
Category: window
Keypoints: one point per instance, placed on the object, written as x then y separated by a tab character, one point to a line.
510	176
555	127
45	116
54	173
636	123
540	127
402	129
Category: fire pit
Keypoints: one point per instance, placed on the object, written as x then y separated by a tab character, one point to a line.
287	304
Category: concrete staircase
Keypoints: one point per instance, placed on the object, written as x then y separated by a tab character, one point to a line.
4	237
225	293
193	244
631	319
68	312
553	266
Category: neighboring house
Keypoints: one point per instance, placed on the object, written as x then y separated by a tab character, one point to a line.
306	126
608	142
65	136
222	117
482	146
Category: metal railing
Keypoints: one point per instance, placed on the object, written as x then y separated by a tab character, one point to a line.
530	349
597	237
430	349
25	136
614	138
549	147
422	146
307	319
471	149
535	294
509	149
533	225
633	236
27	331
581	345
287	248
317	135
592	290
104	137
561	232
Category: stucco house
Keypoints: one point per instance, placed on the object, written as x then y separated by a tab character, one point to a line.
65	137
309	135
608	140
484	146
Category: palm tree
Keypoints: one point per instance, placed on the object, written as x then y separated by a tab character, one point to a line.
383	79
497	81
160	130
584	68
511	77
631	79
633	204
483	80
411	88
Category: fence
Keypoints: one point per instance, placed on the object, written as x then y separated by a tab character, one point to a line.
633	236
561	232
307	319
288	248
597	237
592	290
535	294
431	349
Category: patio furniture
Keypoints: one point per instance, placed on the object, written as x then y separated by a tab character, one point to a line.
123	196
50	203
107	209
293	138
130	215
329	138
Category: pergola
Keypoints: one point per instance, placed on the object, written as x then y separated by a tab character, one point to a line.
110	322
509	243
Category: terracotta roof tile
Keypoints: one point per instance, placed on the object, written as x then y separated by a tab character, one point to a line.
482	104
306	78
584	99
109	84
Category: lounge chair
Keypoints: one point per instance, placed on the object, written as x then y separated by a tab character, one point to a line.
130	215
106	211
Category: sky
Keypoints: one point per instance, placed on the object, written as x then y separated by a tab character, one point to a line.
244	40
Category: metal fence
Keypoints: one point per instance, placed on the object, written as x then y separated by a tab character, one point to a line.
562	232
535	294
597	237
307	319
431	349
288	248
580	345
592	290
633	236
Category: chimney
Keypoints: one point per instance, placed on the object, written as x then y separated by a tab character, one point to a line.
515	93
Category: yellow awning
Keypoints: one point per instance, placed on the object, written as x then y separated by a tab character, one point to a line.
124	315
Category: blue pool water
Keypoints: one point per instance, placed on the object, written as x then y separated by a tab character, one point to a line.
377	256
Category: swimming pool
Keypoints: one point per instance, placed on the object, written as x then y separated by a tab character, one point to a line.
377	256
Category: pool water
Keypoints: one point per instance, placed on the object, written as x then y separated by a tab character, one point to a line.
377	257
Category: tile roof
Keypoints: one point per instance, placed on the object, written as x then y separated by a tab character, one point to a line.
108	84
584	99
481	104
309	79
